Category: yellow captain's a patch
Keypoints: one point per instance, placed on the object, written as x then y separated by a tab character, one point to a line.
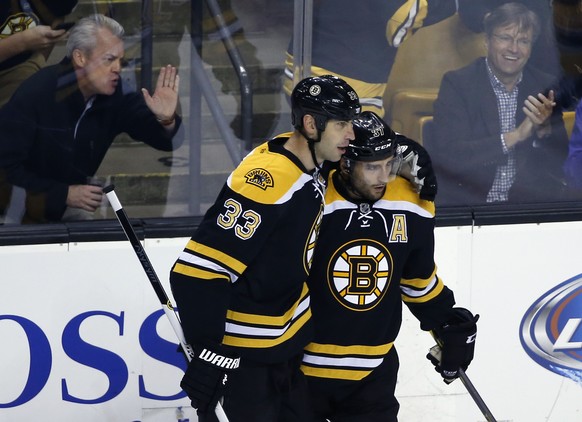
260	177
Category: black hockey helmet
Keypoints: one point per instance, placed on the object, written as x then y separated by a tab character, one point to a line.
324	97
374	140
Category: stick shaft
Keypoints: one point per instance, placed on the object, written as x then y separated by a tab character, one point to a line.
148	268
470	388
476	396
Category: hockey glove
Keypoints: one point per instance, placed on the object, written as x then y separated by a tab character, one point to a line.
417	167
207	375
457	344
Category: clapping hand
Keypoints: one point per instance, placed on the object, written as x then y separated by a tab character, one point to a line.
539	110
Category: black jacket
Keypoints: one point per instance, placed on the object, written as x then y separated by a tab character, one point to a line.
467	147
48	140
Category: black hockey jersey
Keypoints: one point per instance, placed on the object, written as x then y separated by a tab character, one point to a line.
371	31
241	280
370	258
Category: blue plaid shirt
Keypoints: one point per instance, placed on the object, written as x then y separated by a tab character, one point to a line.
507	107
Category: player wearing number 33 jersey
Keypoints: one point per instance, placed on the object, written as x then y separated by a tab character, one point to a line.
241	282
257	266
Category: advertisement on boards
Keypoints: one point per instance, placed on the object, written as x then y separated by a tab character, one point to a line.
84	338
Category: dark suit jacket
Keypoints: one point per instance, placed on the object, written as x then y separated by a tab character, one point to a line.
467	147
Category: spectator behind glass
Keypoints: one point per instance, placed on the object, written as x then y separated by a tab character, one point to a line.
26	38
545	53
573	165
59	124
497	138
358	42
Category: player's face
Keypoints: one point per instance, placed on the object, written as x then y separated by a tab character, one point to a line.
102	66
508	50
334	140
369	179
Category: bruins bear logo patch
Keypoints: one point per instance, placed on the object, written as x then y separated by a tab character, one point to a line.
260	178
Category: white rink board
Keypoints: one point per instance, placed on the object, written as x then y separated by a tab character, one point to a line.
49	291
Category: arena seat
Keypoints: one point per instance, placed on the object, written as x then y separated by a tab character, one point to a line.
411	106
419	66
568	117
425	125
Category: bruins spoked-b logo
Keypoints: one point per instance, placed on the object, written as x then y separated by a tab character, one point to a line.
314	90
260	177
359	274
17	23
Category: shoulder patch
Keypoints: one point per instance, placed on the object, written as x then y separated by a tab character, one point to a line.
260	177
252	180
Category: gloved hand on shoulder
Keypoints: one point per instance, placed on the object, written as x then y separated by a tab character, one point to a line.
417	167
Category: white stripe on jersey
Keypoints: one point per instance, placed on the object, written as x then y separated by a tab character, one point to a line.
380	204
401	34
419	293
403	206
339	205
232	328
367	363
190	258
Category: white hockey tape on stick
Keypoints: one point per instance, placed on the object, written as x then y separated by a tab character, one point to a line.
154	281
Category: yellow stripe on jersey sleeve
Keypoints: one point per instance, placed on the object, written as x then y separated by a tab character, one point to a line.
418	290
271	321
198	272
271	342
228	261
408	18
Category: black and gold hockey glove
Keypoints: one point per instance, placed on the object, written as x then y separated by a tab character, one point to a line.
456	344
206	378
417	167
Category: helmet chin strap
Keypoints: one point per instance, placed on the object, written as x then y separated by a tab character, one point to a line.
311	142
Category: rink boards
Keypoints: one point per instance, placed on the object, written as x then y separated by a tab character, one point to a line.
83	336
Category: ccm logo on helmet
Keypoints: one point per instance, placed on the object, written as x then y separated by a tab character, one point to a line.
381	147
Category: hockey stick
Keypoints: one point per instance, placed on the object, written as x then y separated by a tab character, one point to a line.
467	383
476	397
155	281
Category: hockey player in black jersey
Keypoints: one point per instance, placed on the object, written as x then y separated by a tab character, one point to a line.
375	251
240	283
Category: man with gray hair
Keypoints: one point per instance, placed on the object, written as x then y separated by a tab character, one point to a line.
59	124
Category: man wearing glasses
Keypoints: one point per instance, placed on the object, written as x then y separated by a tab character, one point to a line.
498	135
